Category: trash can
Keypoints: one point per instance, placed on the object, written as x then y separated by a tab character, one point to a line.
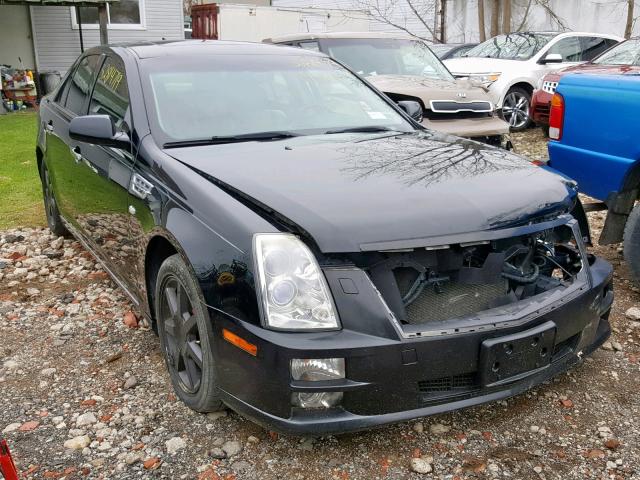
49	81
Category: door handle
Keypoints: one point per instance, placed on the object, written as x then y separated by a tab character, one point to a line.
49	126
75	151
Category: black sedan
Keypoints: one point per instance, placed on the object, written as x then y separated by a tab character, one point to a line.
309	255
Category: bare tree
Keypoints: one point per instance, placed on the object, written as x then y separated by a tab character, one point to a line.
495	17
629	26
483	33
385	11
545	4
523	21
506	16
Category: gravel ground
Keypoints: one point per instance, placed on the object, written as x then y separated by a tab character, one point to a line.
84	393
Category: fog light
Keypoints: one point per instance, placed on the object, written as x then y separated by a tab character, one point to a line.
317	370
316	399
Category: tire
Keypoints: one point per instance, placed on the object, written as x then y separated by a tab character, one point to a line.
517	100
50	206
186	336
545	130
631	243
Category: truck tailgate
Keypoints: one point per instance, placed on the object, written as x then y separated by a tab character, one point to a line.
601	133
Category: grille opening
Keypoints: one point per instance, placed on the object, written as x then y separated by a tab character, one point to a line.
451	384
423	287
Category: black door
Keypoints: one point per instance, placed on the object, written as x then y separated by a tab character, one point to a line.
100	203
61	153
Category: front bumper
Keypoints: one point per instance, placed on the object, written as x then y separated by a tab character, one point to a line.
397	379
469	127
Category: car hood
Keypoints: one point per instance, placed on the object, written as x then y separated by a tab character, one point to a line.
593	69
427	88
351	191
464	65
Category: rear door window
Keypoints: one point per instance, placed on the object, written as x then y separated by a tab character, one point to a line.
311	45
111	94
76	90
593	46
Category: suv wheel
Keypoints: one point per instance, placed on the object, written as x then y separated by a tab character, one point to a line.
515	109
632	243
50	206
186	336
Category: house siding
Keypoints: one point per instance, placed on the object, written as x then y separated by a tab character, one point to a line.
57	44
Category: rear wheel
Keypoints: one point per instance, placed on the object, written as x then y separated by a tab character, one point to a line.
50	206
186	336
515	109
632	243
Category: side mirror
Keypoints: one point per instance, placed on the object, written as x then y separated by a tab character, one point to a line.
412	108
551	58
98	130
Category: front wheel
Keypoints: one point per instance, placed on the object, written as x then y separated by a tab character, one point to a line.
515	109
186	336
632	243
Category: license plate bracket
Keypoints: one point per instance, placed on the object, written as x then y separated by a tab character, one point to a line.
506	359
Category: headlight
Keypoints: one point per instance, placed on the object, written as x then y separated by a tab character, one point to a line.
485	79
294	293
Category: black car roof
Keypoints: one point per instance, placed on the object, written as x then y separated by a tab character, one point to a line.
180	48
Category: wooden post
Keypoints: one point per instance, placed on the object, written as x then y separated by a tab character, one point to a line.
102	15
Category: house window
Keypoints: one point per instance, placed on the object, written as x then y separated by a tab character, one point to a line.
123	14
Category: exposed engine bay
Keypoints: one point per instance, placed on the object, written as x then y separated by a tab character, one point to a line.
422	286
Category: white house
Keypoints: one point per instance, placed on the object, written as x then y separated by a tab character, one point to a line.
45	35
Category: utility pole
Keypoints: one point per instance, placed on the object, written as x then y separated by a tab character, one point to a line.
443	21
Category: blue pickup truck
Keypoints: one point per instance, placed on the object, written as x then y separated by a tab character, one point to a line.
595	139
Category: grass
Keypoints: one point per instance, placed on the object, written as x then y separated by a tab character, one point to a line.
20	192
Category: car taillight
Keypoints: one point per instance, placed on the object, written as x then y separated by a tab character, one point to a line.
556	117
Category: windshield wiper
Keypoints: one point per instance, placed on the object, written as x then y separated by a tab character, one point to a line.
243	137
371	129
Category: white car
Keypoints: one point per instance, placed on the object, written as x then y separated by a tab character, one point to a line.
509	66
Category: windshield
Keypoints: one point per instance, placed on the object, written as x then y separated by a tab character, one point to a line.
387	56
626	53
242	95
514	46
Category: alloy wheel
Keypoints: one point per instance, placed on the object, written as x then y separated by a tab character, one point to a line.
182	335
515	109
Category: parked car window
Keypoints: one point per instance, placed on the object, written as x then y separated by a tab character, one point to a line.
441	49
594	46
310	46
228	95
111	95
385	56
461	51
514	46
569	47
625	53
79	84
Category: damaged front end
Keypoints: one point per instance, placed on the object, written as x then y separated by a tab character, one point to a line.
453	288
442	324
